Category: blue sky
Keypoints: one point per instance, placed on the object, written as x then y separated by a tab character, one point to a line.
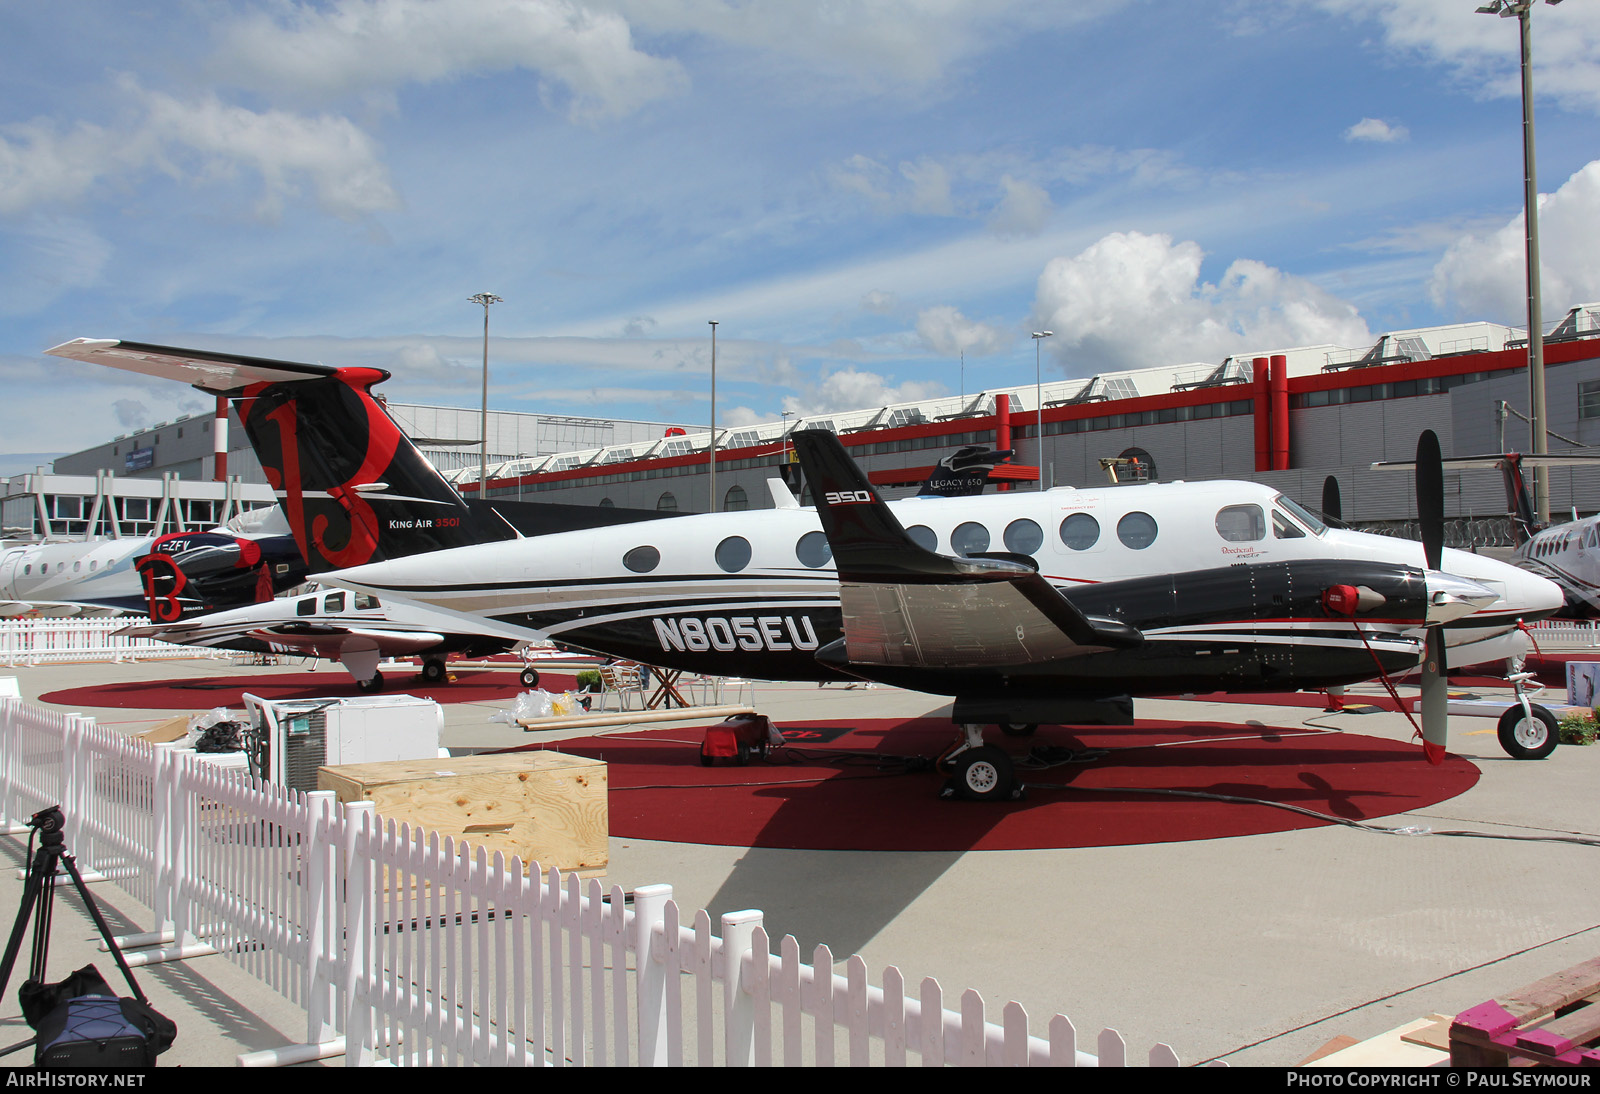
857	191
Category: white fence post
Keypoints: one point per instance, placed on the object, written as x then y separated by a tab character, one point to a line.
649	915
738	1013
319	871
360	884
10	752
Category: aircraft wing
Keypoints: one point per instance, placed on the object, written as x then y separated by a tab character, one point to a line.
334	642
210	371
907	606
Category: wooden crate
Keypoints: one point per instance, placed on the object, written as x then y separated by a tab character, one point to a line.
547	807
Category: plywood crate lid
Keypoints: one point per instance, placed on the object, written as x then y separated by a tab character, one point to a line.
390	772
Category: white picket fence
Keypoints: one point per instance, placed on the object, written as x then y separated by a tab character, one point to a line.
45	641
405	948
1557	633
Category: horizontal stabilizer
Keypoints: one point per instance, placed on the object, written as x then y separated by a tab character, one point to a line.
1495	462
215	372
905	605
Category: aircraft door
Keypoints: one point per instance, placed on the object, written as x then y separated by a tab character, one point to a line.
8	573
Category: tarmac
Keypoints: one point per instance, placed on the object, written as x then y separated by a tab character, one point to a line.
1255	950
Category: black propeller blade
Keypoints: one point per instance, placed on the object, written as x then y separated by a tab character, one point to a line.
1435	667
1330	499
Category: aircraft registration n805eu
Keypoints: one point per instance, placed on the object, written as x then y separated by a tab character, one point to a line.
1053	606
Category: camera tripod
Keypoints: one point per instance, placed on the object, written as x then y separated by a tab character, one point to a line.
38	905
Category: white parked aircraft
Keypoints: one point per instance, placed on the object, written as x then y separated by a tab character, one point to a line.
1098	595
356	629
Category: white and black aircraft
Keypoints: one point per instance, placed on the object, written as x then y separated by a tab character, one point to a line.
356	629
1097	596
1567	553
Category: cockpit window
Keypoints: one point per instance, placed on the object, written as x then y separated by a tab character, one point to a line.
1301	514
1284	528
1241	523
365	602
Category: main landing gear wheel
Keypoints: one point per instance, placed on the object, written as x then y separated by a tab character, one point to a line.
374	684
530	678
1526	738
433	671
1018	729
984	774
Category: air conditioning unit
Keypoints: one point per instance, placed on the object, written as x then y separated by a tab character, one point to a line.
297	736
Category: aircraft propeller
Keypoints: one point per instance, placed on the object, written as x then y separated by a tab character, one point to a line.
1331	505
1430	515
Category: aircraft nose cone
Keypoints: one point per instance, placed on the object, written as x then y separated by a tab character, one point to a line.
1451	597
1537	597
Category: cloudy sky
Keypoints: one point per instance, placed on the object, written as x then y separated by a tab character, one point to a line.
857	190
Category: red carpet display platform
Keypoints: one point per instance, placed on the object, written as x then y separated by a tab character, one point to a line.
827	791
848	785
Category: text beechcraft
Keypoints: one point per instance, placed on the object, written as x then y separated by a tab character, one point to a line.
1055	606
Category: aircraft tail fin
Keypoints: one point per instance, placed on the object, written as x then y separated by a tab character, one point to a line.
354	487
906	605
1519	502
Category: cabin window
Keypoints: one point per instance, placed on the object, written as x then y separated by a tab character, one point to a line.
969	538
77	567
641	560
923	537
813	550
27	570
1241	523
366	602
308	606
1080	531
733	554
333	602
93	565
1023	537
1284	528
1137	530
44	568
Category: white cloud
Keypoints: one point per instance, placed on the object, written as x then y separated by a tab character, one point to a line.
930	188
850	388
1376	130
877	43
1023	211
879	302
37	165
339	161
1132	301
1483	50
1486	275
948	333
583	55
47	258
199	140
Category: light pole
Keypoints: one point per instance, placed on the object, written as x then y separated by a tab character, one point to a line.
1521	10
713	446
1038	396
484	298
